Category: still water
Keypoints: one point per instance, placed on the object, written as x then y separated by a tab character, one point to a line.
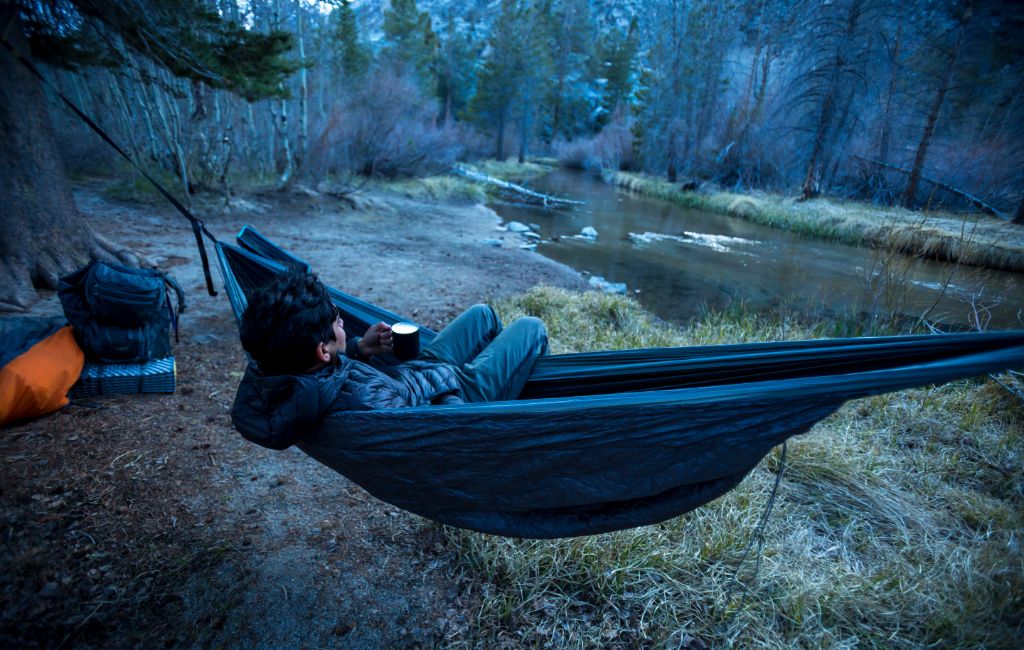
678	261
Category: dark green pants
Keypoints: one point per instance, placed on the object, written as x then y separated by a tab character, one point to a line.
493	363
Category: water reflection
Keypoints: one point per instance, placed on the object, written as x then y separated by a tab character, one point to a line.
678	261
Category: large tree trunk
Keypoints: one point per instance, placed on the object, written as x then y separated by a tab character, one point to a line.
499	152
42	234
894	67
910	193
812	179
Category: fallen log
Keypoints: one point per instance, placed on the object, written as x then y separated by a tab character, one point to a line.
984	207
479	177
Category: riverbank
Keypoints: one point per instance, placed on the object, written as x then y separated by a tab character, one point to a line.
967	239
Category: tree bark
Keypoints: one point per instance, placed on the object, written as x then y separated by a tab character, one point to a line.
524	131
812	179
499	152
894	66
42	234
300	155
910	193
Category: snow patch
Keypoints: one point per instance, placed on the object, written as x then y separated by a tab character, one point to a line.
720	243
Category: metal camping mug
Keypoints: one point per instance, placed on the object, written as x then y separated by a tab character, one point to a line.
405	341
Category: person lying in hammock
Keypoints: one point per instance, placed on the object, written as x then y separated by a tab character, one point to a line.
303	368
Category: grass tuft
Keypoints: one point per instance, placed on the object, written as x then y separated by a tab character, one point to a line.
130	187
454	188
438	188
510	170
970	239
897	524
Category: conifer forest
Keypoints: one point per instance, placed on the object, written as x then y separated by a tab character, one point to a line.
891	102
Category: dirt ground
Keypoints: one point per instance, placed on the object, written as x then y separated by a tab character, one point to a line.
147	521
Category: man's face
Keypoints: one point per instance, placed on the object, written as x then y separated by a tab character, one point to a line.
336	348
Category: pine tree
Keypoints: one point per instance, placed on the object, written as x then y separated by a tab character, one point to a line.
456	68
514	79
491	106
618	52
352	57
410	37
572	57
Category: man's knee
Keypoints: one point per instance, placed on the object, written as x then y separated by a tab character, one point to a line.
484	312
535	324
534	331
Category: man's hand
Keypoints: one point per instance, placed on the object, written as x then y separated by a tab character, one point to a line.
377	340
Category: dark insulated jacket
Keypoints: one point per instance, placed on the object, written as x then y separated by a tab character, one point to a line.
276	411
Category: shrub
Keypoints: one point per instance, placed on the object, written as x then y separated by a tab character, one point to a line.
386	128
612	148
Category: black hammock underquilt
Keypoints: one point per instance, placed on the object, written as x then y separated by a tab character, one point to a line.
604	441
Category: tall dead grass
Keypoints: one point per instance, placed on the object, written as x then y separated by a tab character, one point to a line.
968	239
897	524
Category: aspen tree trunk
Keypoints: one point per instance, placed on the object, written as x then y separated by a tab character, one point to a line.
127	123
280	132
139	90
174	132
253	140
281	129
910	193
303	95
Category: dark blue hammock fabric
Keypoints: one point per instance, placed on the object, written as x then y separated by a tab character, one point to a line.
603	441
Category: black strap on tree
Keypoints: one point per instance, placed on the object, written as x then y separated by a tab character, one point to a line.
198	228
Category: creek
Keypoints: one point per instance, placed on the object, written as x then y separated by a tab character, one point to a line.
679	261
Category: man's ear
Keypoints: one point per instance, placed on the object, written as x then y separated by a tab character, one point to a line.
323	353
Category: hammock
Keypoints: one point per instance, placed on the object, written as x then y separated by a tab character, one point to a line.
603	441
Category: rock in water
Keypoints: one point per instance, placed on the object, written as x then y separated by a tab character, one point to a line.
589	232
601	284
515	226
491	242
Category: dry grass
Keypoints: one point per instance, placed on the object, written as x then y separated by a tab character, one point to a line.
437	188
454	188
510	170
970	239
897	525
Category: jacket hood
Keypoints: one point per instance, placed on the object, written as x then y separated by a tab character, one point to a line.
275	411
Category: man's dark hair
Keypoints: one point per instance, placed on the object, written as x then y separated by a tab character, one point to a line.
285	320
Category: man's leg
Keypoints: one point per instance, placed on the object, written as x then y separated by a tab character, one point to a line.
464	337
501	370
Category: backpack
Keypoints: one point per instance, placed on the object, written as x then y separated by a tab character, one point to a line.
120	314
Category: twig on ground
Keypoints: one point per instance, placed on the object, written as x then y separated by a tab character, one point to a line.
1014	387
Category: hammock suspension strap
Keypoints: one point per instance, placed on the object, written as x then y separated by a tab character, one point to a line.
760	538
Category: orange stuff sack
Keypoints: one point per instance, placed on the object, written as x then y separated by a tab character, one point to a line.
37	381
